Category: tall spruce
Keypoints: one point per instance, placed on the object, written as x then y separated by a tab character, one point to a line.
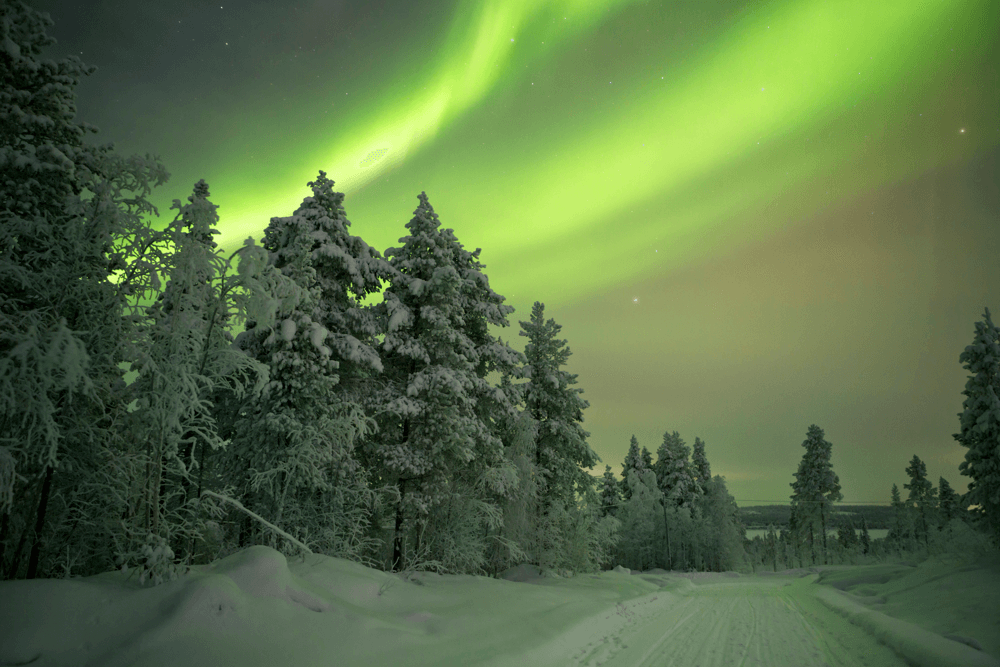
865	539
922	495
556	405
610	493
901	532
702	470
674	473
346	271
816	486
633	461
295	442
647	459
429	429
980	423
947	503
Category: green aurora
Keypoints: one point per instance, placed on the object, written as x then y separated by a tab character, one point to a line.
747	218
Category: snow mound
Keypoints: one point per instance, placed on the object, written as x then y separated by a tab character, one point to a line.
915	644
261	571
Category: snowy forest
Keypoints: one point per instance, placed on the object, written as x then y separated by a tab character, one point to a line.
139	434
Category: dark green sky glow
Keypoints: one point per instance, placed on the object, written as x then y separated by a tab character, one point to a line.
748	218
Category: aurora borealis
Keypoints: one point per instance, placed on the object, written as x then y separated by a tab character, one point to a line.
748	218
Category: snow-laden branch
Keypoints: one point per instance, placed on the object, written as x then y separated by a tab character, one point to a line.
264	521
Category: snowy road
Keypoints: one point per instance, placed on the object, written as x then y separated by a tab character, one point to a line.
256	608
742	622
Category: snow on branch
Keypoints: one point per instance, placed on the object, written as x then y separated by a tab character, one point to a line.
264	521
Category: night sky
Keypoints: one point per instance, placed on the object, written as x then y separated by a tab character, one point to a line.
748	218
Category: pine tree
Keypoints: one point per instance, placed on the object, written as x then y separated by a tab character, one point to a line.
647	459
429	430
633	461
63	323
702	471
948	503
346	271
771	543
673	473
610	493
846	535
557	406
865	539
295	442
921	494
816	485
641	517
980	422
724	534
902	529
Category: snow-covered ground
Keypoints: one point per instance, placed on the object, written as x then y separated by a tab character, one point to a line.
257	608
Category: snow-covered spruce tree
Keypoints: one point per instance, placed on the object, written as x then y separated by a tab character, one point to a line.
518	536
816	486
722	534
347	271
865	539
846	535
702	470
292	450
947	503
491	476
610	493
673	471
980	422
641	516
923	496
771	545
551	400
189	357
647	459
633	461
65	227
901	534
675	481
429	430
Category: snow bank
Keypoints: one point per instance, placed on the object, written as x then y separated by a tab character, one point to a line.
918	646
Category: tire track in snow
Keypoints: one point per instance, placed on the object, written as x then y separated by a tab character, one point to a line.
753	628
745	623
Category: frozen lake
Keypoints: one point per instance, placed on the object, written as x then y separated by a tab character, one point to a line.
873	533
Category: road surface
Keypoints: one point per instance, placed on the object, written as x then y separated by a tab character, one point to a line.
738	622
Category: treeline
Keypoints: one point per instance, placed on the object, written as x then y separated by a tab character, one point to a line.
673	513
762	516
930	520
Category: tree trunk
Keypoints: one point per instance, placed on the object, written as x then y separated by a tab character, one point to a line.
201	475
666	529
812	541
397	540
3	536
157	492
822	518
39	524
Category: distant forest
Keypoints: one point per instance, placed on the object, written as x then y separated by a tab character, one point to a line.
877	516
